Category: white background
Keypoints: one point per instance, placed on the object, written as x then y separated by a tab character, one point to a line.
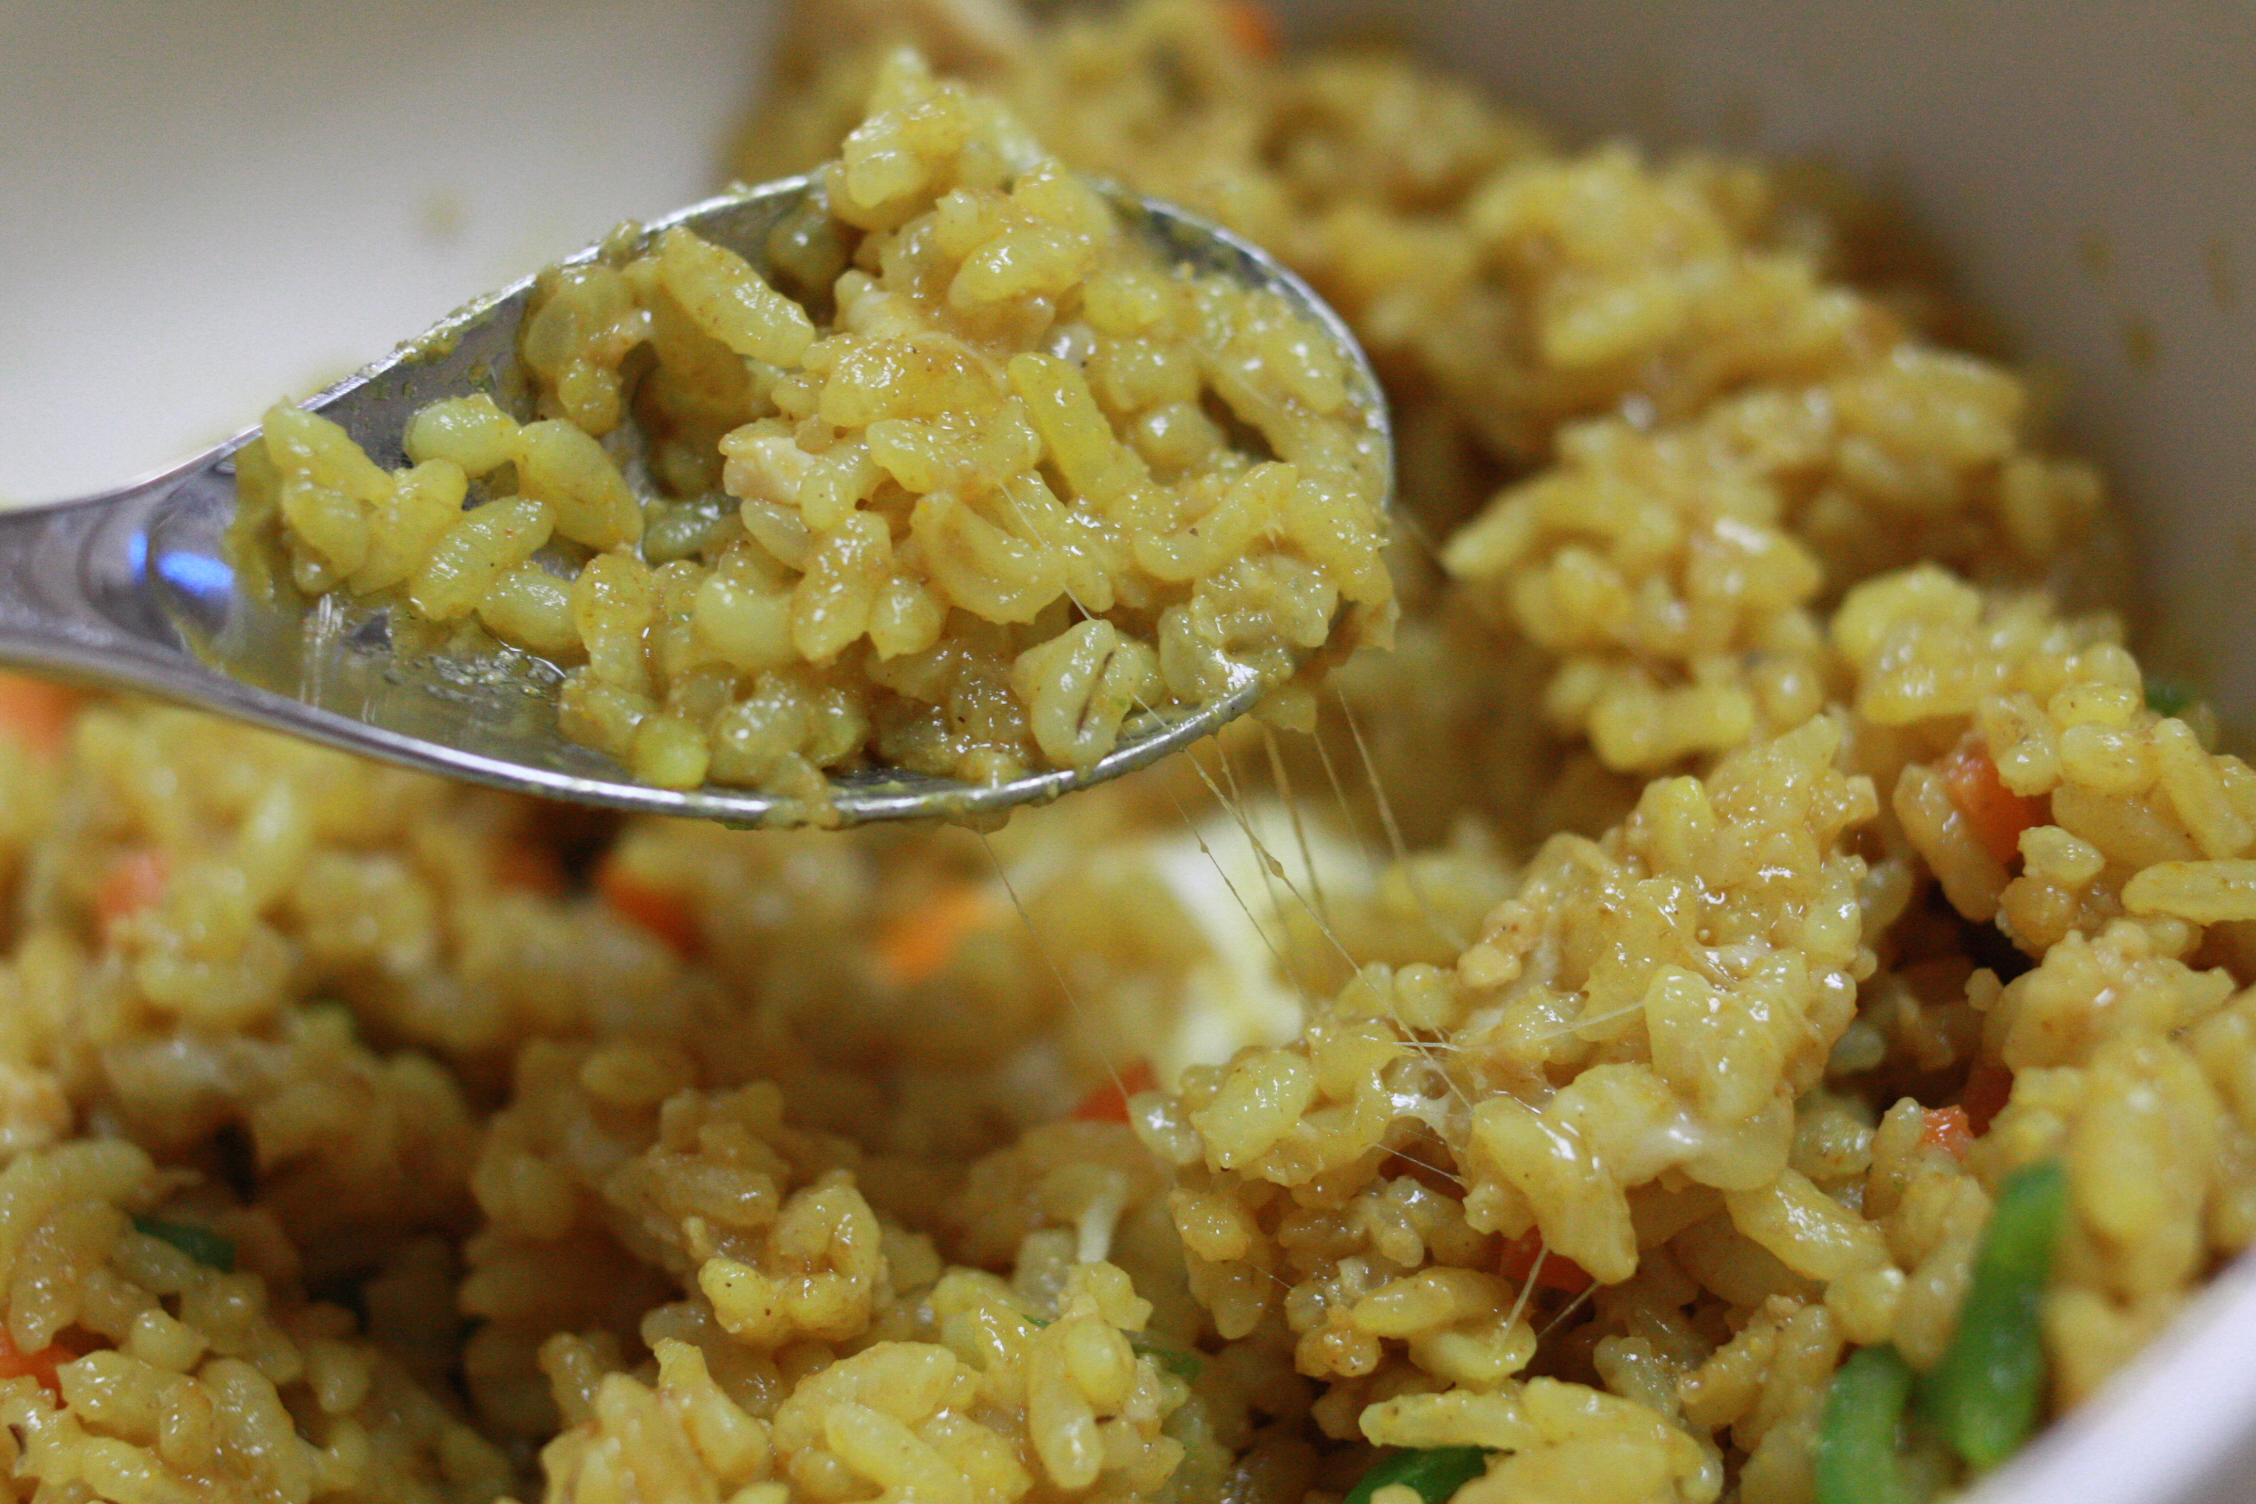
206	205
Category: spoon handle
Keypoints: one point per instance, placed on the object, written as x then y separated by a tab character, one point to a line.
75	597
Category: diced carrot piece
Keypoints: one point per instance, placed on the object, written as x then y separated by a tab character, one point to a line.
40	1365
36	713
1525	1254
1995	814
914	946
1988	1088
1251	28
1948	1129
134	881
665	912
1109	1102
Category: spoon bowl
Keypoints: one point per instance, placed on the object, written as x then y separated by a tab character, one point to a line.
143	587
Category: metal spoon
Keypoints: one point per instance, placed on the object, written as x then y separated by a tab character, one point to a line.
136	588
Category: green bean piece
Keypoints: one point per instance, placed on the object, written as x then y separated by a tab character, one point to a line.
210	1249
1985	1393
1435	1472
2165	696
1857	1454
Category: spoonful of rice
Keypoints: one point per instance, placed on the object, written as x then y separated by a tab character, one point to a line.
935	482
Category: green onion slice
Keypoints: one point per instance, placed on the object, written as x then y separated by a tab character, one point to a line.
1435	1472
210	1249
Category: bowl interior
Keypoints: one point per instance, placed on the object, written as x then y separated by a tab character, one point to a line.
213	205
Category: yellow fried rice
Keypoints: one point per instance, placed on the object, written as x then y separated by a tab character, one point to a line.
969	519
1760	845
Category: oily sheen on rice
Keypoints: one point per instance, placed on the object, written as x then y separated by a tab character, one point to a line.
1759	845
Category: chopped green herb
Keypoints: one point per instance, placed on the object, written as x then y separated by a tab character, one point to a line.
1857	1450
1183	1365
1985	1393
2166	696
1435	1472
211	1249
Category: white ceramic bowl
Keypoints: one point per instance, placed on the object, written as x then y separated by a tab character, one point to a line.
210	203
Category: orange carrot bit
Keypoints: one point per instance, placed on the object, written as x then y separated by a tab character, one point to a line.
133	882
1948	1129
40	1365
35	713
665	912
1989	1086
1109	1102
914	946
1995	814
1251	28
1522	1255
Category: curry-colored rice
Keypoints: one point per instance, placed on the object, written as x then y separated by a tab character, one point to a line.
1778	848
994	479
